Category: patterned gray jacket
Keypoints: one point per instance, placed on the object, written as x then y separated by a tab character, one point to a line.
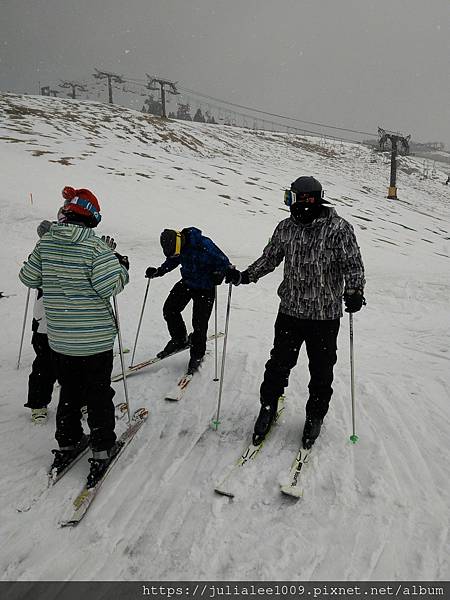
318	259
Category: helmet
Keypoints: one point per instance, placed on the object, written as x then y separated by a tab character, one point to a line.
306	184
305	189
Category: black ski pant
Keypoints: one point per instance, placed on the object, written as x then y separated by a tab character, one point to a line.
320	338
202	304
85	381
43	376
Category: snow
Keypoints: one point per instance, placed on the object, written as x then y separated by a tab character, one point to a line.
377	510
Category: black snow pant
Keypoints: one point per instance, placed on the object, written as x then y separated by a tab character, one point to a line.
85	381
202	304
320	338
43	376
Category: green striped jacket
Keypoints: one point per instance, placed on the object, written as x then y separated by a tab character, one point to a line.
78	273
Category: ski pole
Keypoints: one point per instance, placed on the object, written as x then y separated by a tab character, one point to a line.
353	438
140	322
23	326
216	422
215	334
122	362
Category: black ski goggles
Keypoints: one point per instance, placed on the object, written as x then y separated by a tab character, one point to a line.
291	197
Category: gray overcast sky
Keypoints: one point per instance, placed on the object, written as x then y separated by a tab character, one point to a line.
352	63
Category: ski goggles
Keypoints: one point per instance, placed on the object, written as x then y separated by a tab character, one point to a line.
85	204
291	197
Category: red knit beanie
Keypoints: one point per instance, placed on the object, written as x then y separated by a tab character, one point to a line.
82	201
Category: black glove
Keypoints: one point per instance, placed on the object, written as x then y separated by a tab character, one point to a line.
122	259
109	241
236	277
354	301
218	277
151	272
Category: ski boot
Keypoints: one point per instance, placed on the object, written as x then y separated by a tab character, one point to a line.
194	364
173	345
39	415
311	431
100	462
66	454
264	422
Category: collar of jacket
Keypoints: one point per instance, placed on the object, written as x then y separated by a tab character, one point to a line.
70	233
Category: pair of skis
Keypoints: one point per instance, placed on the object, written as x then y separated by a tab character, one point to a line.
133	369
226	486
86	496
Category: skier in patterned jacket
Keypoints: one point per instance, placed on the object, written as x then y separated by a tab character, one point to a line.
203	265
78	273
322	265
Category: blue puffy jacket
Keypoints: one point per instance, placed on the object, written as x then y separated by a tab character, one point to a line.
199	259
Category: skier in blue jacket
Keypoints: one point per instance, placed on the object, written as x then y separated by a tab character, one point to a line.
203	265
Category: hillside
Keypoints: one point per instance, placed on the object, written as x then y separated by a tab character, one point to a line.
377	510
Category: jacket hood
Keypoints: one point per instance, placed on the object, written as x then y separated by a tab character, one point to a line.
70	234
193	235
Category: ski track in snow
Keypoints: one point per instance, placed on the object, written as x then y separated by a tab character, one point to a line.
377	510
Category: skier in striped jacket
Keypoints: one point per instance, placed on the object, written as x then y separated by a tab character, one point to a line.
78	273
322	265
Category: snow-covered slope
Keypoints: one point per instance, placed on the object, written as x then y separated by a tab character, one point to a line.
373	511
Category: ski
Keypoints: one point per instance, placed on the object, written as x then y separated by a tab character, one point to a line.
87	495
147	363
53	476
179	390
292	487
224	486
50	481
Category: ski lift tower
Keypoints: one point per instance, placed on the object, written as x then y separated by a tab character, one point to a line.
110	77
73	85
154	82
395	138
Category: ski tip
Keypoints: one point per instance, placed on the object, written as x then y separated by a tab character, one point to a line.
70	523
354	439
224	492
140	414
292	491
215	424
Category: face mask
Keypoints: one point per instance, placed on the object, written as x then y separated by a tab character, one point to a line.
305	213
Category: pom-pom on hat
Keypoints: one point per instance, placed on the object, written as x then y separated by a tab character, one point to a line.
82	202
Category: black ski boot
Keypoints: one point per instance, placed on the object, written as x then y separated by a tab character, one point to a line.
173	345
264	422
99	462
65	455
311	431
194	364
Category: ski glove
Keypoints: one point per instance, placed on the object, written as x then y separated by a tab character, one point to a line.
123	260
236	277
218	277
43	228
151	272
354	301
109	241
